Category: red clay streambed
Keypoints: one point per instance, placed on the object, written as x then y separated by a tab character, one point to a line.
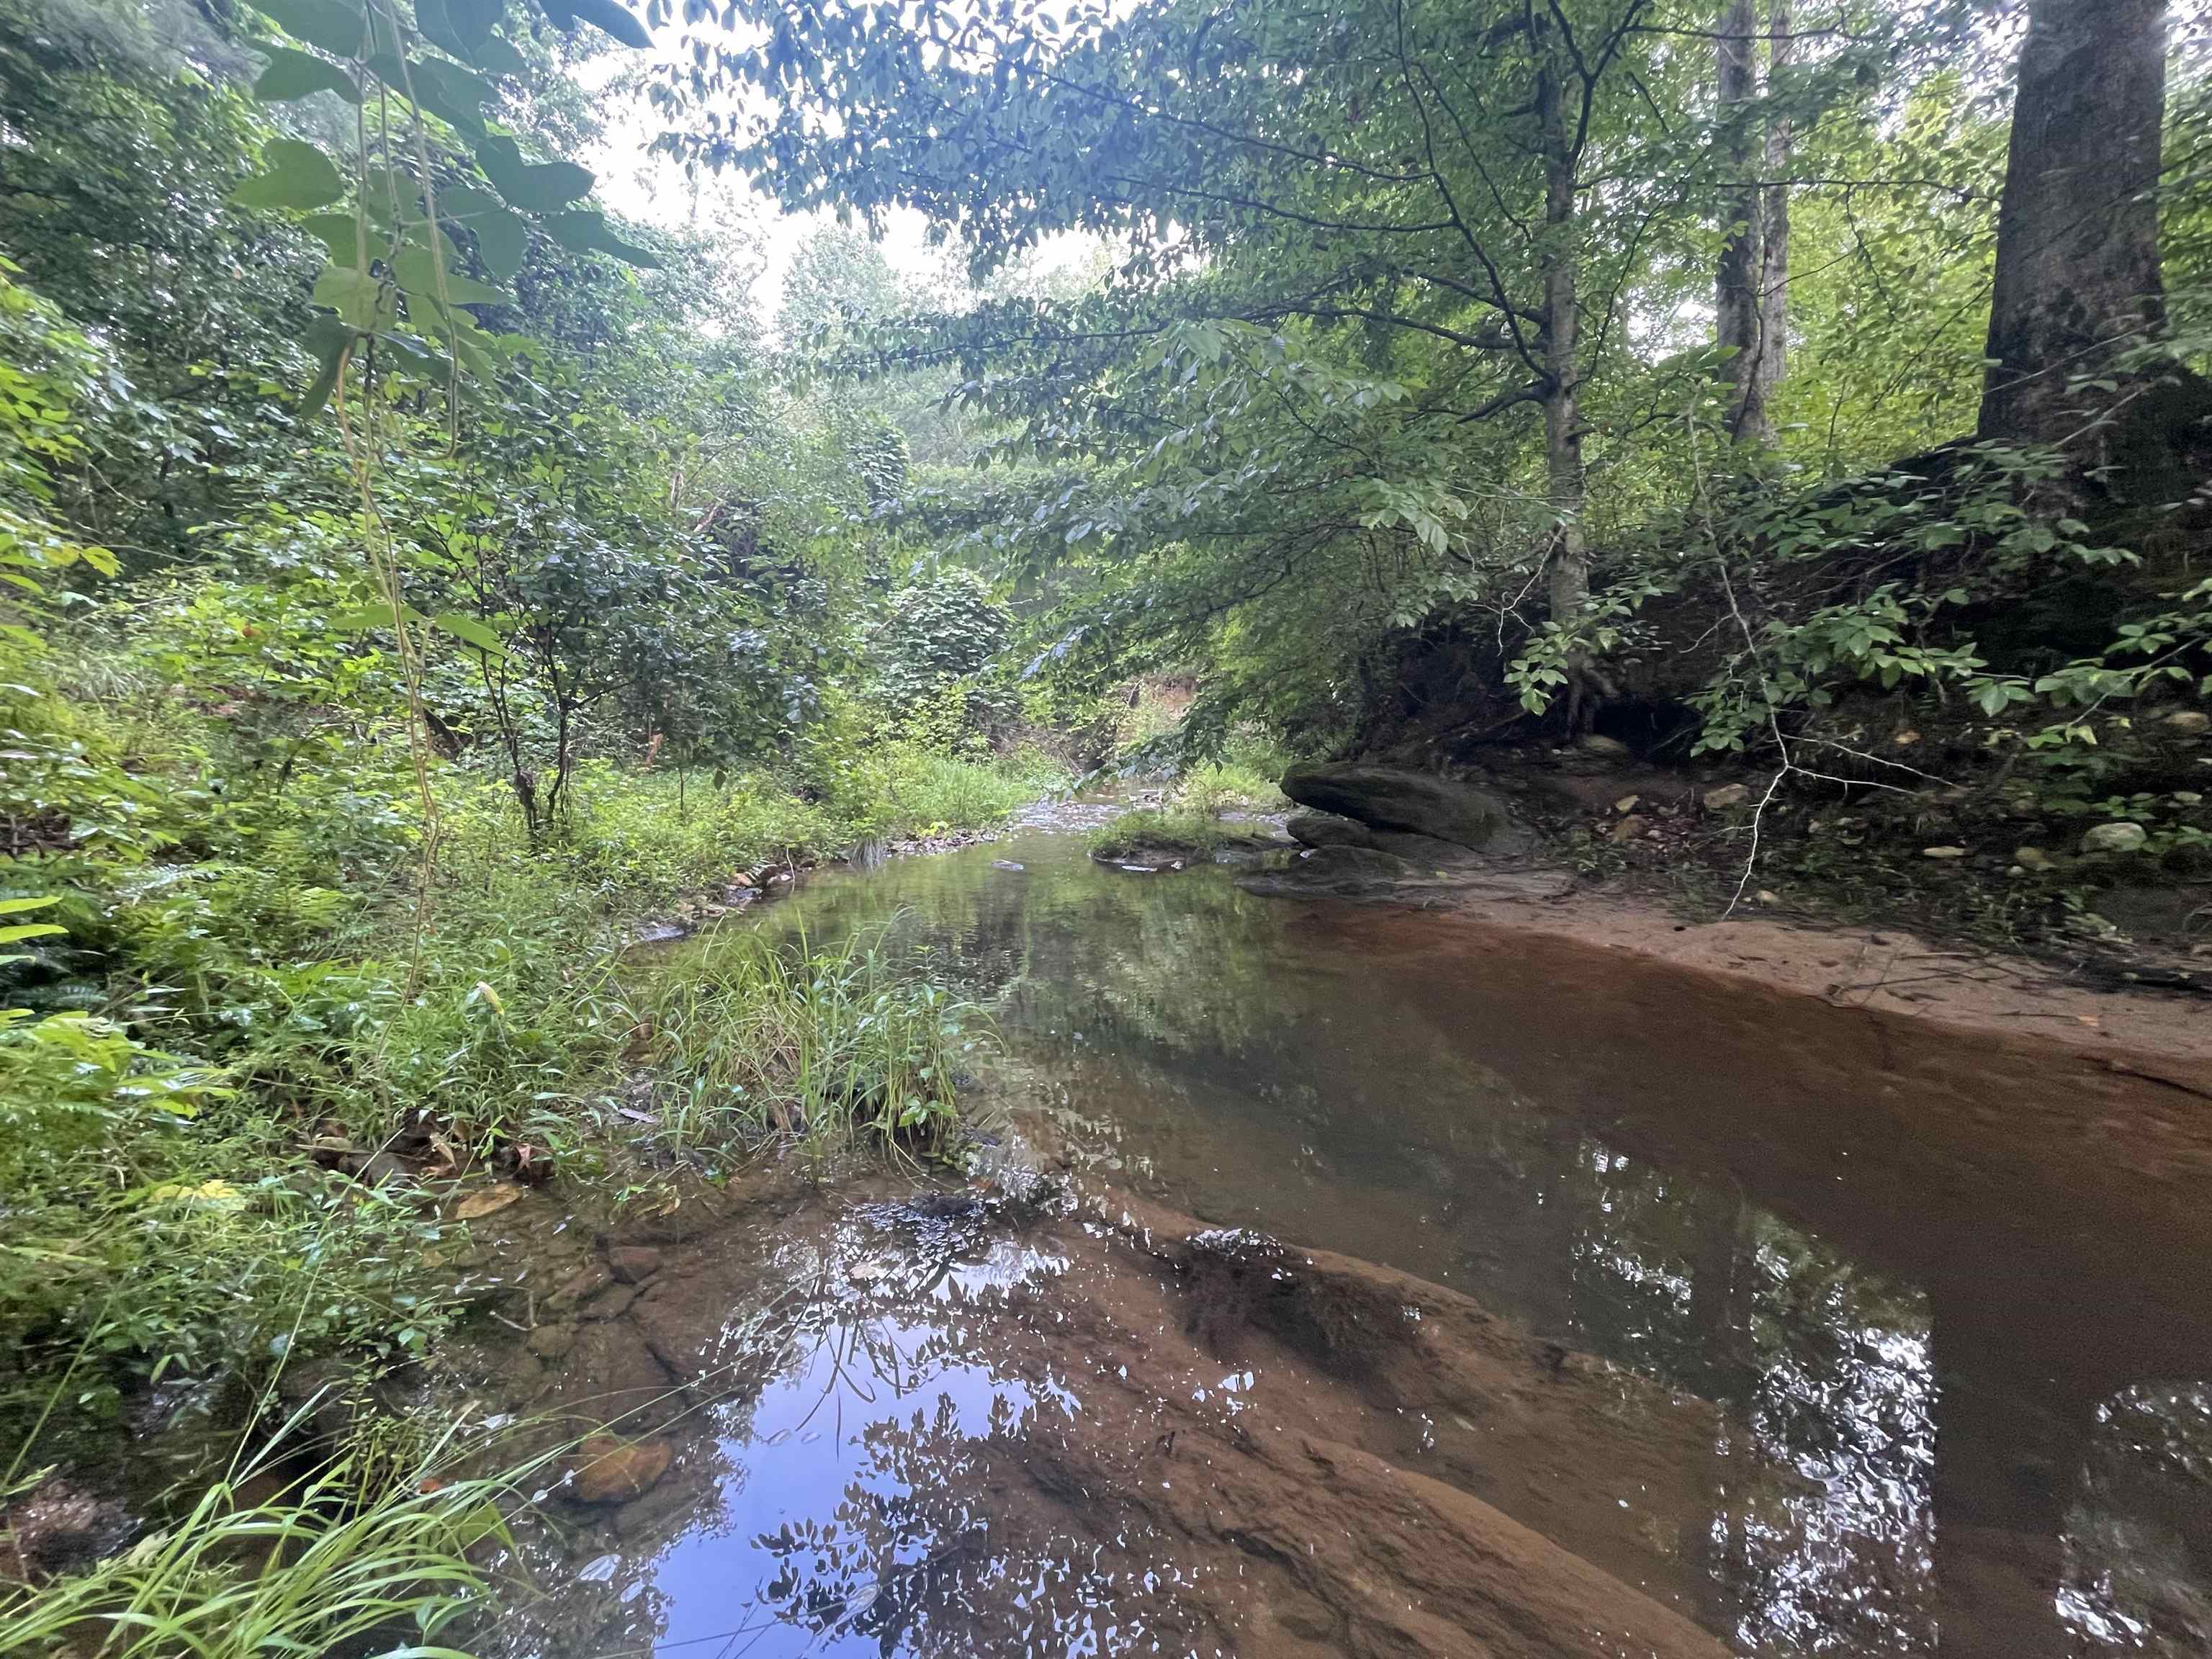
1631	1310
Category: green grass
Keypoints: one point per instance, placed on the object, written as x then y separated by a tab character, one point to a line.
1177	830
322	1566
833	1045
1231	787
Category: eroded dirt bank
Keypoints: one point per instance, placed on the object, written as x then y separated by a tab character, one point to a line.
1880	969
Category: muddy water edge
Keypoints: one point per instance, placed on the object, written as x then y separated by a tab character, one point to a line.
1362	1281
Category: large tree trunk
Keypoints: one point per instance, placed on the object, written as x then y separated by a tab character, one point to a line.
1773	244
1737	289
2077	270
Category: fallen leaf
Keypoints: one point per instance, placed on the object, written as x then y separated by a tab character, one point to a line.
485	1201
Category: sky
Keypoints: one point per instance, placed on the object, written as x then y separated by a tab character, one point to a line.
655	190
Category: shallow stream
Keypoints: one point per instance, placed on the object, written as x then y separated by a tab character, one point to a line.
1948	1300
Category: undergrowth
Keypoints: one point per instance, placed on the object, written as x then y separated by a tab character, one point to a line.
1183	830
829	1044
258	1564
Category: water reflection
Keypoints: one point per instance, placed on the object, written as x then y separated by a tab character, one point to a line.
846	1505
1805	1219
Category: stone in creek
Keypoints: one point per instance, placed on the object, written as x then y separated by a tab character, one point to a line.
1631	827
1728	795
1422	803
611	1303
1339	872
633	1264
613	1471
1328	830
551	1341
2115	838
586	1283
1005	863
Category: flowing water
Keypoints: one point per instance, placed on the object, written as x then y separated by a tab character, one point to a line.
1948	1298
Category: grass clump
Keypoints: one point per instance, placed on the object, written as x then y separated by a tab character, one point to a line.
836	1045
1179	832
328	1564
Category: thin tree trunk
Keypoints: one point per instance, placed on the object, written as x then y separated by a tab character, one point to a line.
1736	295
1772	357
1566	481
2077	263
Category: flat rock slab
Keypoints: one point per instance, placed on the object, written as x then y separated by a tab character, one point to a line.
1394	798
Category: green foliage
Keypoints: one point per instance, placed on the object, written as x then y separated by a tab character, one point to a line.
934	631
830	1044
312	1568
1189	830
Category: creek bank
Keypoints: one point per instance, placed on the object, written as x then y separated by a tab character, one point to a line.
776	880
1598	794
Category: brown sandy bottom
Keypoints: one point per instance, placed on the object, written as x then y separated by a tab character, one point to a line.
1886	971
960	1425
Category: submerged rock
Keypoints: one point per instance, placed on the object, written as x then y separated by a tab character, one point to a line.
613	1471
1337	872
1390	798
57	1526
1328	830
1311	828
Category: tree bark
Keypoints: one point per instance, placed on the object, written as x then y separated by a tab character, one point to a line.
1566	478
2077	263
1773	242
1736	297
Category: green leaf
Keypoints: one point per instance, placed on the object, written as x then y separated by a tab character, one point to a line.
336	27
611	16
16	907
363	618
328	338
416	271
293	74
335	231
586	232
31	930
459	26
359	299
469	631
546	187
473	20
498	56
456	94
500	236
294	175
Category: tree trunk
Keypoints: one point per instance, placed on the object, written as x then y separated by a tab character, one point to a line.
1565	480
2077	271
1773	244
1736	298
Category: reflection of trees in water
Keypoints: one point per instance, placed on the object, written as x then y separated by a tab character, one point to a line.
1188	963
1270	1088
1820	1533
911	1562
2137	1546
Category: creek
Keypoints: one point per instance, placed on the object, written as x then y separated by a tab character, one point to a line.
1805	1330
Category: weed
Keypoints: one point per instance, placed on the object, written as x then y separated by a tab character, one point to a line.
1183	831
831	1045
321	1564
